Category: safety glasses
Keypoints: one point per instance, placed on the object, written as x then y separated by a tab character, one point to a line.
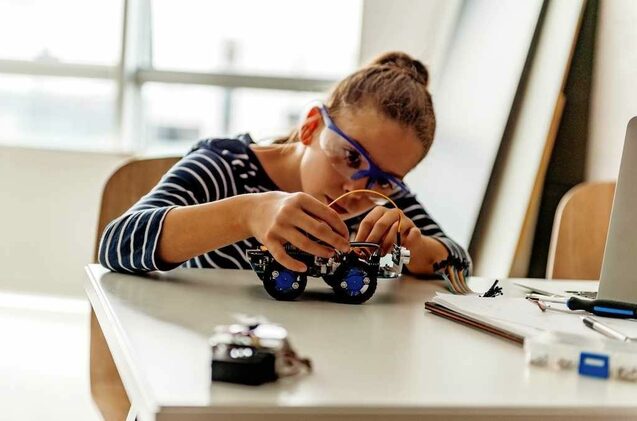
351	160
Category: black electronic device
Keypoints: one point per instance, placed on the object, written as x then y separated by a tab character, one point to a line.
253	352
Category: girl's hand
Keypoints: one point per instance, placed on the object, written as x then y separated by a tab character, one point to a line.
381	226
280	218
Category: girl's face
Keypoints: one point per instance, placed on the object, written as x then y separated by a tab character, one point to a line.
393	148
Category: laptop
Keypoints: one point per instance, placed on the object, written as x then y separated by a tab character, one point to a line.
618	279
566	288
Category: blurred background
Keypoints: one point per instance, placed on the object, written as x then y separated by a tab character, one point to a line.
532	97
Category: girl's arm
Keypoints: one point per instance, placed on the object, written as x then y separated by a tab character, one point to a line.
130	243
190	231
197	207
274	218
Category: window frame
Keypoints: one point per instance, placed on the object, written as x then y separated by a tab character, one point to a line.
134	69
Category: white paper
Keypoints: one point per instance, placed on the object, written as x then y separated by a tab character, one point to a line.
526	318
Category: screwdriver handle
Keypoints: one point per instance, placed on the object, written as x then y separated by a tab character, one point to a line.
606	308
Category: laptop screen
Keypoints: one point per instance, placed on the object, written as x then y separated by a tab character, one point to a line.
618	280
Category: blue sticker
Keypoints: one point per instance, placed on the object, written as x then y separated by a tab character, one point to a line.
594	365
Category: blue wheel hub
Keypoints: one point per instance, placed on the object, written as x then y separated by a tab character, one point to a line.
284	280
354	278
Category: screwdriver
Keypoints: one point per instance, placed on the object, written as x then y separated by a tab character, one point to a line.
606	308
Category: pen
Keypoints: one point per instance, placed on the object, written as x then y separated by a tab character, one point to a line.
546	298
545	307
604	329
607	308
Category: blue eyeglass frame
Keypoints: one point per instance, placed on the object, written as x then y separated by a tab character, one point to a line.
374	173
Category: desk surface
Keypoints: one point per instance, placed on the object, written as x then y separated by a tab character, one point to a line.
387	356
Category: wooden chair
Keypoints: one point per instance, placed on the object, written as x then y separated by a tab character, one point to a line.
579	232
123	189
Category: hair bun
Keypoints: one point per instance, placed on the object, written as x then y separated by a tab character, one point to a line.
404	62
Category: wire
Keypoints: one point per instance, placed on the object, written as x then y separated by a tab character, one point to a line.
400	214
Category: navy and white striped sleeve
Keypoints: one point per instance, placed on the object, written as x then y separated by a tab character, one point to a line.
129	243
412	208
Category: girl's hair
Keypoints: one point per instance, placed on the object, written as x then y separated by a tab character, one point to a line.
395	85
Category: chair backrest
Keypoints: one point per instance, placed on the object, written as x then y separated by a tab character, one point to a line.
579	232
126	186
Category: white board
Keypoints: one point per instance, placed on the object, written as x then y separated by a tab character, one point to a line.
473	102
512	193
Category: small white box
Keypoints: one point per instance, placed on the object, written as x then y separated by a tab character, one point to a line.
603	358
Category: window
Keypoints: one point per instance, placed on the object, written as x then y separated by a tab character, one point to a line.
177	114
200	68
276	37
72	112
57	66
267	112
70	31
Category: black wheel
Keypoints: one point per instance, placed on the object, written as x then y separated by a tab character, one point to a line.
355	284
284	284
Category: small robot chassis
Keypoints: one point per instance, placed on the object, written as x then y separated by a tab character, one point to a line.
352	275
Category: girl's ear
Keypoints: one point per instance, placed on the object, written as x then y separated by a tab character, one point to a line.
309	125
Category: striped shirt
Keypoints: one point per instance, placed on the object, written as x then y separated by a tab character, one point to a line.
215	169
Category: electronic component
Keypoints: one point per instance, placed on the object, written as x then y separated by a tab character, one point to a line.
353	275
601	358
253	352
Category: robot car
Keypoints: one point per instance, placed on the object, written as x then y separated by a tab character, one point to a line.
352	275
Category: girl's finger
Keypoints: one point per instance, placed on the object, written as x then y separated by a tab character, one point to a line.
279	254
367	224
321	231
381	227
390	238
303	242
323	212
411	234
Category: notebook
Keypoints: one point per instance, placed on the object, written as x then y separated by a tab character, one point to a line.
516	318
471	321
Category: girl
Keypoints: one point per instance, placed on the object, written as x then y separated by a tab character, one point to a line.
230	195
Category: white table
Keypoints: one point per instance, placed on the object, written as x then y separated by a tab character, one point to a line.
385	359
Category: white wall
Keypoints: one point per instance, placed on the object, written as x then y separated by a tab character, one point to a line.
476	91
421	28
614	90
49	215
